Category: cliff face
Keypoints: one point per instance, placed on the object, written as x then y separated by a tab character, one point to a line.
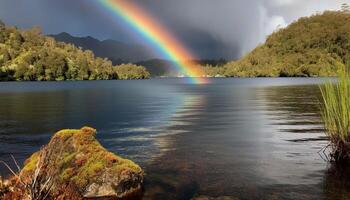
75	164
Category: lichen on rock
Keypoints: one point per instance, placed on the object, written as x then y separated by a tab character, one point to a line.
75	159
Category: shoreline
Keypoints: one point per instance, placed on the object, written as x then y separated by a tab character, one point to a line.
158	78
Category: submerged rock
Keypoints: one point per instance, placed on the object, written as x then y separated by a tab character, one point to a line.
77	163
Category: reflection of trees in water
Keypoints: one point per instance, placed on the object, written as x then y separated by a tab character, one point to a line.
336	184
33	113
184	172
293	106
23	121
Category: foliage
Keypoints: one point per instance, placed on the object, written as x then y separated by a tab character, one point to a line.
336	115
213	71
312	46
27	55
131	71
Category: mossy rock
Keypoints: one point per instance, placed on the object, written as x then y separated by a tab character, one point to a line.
76	158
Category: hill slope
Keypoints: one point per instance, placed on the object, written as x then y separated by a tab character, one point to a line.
30	56
117	52
120	53
312	46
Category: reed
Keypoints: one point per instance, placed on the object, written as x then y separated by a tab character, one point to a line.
335	111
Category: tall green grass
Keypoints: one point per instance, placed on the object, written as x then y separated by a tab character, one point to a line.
336	114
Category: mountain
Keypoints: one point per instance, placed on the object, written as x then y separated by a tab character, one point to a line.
312	46
118	52
159	67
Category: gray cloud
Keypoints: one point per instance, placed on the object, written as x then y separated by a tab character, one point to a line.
211	28
238	24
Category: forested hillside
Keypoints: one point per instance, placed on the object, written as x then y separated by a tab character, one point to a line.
30	56
312	46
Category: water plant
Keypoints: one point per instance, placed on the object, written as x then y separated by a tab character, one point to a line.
335	111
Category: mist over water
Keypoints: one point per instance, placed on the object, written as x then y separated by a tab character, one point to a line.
242	138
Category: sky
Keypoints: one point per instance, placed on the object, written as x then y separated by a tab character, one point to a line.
211	29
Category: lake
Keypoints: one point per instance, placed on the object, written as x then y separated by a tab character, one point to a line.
239	138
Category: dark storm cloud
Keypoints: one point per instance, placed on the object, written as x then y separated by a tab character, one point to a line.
211	28
78	17
238	25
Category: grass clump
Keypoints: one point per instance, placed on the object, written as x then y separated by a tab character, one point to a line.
336	116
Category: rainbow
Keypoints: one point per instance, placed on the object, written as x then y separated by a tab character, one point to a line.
156	35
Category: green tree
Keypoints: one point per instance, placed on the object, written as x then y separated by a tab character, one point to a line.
131	71
321	50
28	55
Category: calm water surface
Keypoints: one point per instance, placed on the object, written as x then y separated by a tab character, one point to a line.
239	138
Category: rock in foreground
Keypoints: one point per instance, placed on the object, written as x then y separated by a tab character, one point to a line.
75	164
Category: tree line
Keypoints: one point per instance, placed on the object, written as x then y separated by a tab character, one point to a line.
310	47
28	55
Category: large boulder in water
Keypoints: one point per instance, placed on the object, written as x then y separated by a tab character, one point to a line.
77	162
